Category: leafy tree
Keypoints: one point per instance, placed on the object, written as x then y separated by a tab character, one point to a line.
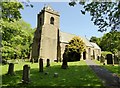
111	42
74	49
95	40
10	10
105	15
16	34
16	39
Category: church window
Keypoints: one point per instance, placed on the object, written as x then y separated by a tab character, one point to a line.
52	20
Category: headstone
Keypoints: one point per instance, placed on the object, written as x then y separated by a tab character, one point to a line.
109	59
64	64
116	60
26	74
102	59
48	63
11	69
56	75
40	65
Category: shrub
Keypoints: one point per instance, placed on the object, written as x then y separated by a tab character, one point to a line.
104	53
74	49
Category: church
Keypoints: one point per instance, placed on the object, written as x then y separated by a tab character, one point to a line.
49	42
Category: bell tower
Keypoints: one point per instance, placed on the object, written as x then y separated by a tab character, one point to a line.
46	34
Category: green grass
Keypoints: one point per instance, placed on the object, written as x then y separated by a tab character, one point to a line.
77	74
114	69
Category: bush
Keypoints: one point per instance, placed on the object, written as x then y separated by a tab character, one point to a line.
102	59
74	49
4	62
104	53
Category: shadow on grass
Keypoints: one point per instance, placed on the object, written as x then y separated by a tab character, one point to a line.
74	76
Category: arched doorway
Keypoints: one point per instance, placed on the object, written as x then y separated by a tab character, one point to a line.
84	55
93	54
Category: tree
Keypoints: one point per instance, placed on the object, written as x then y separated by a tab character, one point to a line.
10	10
16	39
111	42
16	34
74	49
105	15
95	40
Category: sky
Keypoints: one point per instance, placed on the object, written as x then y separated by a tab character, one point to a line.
71	19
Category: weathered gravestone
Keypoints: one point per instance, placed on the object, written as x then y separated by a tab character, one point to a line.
109	59
26	74
11	69
48	63
40	65
102	59
55	75
116	60
64	64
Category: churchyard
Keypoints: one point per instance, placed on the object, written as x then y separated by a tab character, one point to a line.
77	74
22	45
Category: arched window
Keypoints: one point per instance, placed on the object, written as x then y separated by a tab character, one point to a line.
52	20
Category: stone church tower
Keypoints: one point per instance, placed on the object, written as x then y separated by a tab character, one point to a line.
46	37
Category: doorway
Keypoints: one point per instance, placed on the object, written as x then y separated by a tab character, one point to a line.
84	55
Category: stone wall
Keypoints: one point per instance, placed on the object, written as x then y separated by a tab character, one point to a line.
48	46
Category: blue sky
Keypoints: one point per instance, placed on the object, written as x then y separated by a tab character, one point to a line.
71	19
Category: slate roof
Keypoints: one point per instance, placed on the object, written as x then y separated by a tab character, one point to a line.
66	37
95	45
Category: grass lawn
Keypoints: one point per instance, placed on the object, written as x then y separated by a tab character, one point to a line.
114	69
78	74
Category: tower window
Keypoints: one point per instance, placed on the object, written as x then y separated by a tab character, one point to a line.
52	20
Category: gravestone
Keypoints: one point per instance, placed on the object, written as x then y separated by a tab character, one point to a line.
109	59
116	60
102	59
11	69
26	74
48	63
55	75
40	65
64	64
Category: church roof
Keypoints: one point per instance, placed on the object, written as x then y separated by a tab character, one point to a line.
95	45
66	37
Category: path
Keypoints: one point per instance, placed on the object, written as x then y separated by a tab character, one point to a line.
109	79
